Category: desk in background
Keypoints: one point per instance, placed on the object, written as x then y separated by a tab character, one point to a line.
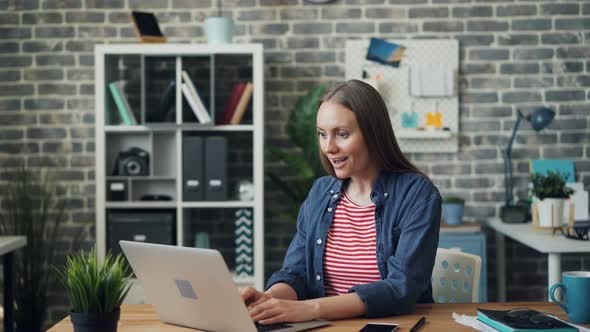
142	317
469	238
542	241
8	244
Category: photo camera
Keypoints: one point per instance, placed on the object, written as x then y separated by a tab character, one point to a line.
132	162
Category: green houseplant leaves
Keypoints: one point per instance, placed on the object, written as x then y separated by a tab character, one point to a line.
551	185
94	287
33	206
453	200
301	129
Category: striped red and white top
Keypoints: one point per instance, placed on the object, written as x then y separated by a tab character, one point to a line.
350	257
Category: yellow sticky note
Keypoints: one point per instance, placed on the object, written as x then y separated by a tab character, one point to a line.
434	119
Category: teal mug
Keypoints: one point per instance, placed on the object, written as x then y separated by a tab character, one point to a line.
575	288
219	29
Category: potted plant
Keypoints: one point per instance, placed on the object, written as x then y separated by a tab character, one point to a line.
95	291
33	206
452	209
305	167
550	193
219	28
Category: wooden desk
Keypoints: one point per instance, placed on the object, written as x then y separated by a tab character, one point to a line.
142	317
541	241
8	244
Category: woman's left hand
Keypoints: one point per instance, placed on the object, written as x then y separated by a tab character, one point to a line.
277	311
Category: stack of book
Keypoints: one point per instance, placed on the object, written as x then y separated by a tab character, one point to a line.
237	103
117	90
194	100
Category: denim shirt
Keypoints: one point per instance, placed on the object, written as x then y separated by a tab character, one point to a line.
407	221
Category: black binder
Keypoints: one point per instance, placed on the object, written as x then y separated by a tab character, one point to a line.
215	168
192	168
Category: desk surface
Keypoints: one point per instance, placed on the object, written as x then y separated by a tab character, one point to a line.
540	240
142	317
11	243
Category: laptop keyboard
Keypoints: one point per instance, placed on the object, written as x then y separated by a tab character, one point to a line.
270	327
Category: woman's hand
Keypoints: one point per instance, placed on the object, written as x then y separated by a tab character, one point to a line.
252	297
276	311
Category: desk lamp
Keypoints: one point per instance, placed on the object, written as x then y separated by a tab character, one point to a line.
539	119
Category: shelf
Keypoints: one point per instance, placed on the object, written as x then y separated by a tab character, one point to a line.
172	204
142	178
212	204
164	124
141	205
422	134
172	127
177	49
192	127
140	128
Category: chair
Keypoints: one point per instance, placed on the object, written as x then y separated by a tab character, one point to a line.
455	277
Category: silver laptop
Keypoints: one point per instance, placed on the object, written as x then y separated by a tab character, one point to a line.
193	287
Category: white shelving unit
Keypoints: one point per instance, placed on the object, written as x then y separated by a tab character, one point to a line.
215	68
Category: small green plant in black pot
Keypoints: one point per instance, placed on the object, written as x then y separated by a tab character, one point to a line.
95	290
452	209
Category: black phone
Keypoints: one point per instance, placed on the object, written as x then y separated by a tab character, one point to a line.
379	327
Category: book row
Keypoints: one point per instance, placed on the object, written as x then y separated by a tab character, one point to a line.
233	111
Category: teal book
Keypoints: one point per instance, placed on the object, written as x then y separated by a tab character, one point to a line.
522	320
565	167
127	117
107	110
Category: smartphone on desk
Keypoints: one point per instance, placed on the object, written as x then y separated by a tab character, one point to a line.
379	327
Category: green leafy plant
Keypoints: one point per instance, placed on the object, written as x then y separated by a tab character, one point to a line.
551	185
33	206
453	200
306	167
92	287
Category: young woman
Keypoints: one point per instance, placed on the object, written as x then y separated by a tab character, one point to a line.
366	235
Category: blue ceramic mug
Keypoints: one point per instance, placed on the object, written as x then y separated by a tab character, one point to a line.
575	287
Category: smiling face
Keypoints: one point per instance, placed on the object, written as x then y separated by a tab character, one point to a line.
341	141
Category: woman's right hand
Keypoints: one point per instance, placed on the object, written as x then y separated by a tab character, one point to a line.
252	297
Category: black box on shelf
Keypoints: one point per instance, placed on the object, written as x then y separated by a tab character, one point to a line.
117	190
192	168
143	226
215	168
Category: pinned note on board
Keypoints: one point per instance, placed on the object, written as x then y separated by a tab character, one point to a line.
384	52
434	120
409	120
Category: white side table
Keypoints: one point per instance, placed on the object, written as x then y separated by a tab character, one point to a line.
544	242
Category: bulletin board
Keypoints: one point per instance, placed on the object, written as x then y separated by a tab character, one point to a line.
394	86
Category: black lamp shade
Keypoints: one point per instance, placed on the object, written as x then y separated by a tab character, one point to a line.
541	118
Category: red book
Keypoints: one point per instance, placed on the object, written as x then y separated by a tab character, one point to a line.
232	101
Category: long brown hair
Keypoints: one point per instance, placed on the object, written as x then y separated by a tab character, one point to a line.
371	114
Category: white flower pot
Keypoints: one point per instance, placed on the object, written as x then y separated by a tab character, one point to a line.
550	212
